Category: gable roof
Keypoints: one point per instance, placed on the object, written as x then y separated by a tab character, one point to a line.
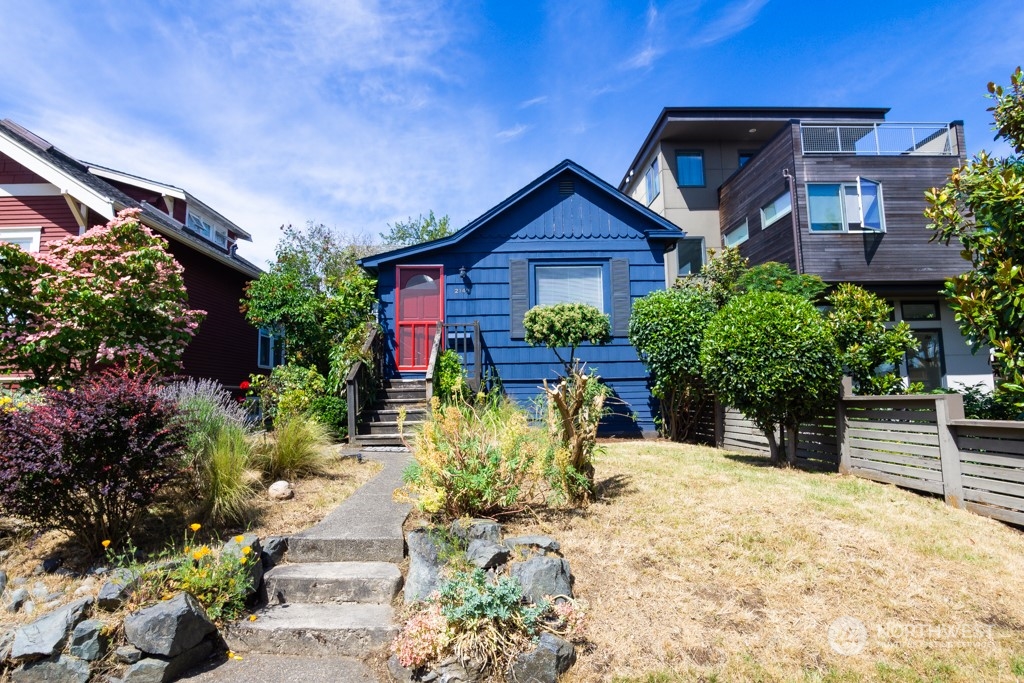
661	228
72	178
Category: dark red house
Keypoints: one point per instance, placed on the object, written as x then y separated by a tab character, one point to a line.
47	195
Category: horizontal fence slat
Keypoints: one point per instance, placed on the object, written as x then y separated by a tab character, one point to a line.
996	486
1002	514
897	437
979	443
909	460
885	478
994	499
989	472
901	470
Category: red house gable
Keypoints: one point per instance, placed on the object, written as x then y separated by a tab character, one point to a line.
47	195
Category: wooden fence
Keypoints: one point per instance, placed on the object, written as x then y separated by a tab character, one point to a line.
916	442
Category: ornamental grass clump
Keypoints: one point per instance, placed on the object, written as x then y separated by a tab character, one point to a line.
474	460
482	621
89	460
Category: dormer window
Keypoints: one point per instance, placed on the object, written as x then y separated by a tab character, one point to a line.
207	228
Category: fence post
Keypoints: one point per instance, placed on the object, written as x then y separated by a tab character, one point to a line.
845	390
950	407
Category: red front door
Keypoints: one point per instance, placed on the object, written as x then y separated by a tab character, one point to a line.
418	305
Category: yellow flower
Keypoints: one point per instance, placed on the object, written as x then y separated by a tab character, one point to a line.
239	538
106	544
195	527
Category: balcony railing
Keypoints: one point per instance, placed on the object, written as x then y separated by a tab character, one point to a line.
879	139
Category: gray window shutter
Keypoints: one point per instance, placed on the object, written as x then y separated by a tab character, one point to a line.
519	295
621	300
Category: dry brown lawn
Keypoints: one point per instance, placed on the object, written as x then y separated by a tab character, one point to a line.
700	565
314	498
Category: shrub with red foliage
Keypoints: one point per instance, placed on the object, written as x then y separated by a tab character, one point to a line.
89	460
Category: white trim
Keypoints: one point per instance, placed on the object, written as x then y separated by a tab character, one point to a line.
33	233
29	190
64	181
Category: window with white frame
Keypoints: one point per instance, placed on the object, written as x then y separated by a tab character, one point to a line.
690	168
845	207
737	235
25	238
559	284
776	209
652	181
270	353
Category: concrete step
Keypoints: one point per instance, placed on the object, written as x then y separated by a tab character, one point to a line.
346	630
333	582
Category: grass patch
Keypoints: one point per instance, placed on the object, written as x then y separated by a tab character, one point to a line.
701	565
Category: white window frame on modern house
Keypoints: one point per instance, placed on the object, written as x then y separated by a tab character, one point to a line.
554	284
852	220
274	340
778	213
22	237
652	181
691	154
737	236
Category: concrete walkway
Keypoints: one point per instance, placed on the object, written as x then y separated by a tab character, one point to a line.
330	599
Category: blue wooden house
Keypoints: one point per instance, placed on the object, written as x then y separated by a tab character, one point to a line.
568	236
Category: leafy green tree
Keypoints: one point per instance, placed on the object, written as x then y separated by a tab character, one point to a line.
667	328
778	277
113	296
982	206
316	293
772	357
858	319
417	230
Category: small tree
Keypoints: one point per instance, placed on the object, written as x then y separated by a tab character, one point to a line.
982	206
417	230
317	294
858	323
667	329
576	403
113	296
772	357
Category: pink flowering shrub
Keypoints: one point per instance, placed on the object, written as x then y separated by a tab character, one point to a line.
113	296
89	460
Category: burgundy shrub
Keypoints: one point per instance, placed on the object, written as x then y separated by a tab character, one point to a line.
89	460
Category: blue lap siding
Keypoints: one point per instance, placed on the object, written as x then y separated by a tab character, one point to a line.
567	216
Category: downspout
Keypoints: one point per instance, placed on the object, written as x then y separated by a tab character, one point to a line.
794	221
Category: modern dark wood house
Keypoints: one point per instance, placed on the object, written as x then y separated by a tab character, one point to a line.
567	236
47	195
837	193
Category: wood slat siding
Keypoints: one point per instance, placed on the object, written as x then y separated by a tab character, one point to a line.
895	444
743	194
816	441
547	225
992	468
902	254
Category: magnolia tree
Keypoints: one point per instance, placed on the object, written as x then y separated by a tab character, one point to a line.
113	296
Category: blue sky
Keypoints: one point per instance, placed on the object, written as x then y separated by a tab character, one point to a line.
360	113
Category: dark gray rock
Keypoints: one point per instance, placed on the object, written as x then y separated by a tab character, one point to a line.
398	672
162	669
476	530
542	576
47	635
250	549
424	576
59	669
543	664
3	581
545	543
117	589
486	555
274	548
19	597
88	641
126	654
168	628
